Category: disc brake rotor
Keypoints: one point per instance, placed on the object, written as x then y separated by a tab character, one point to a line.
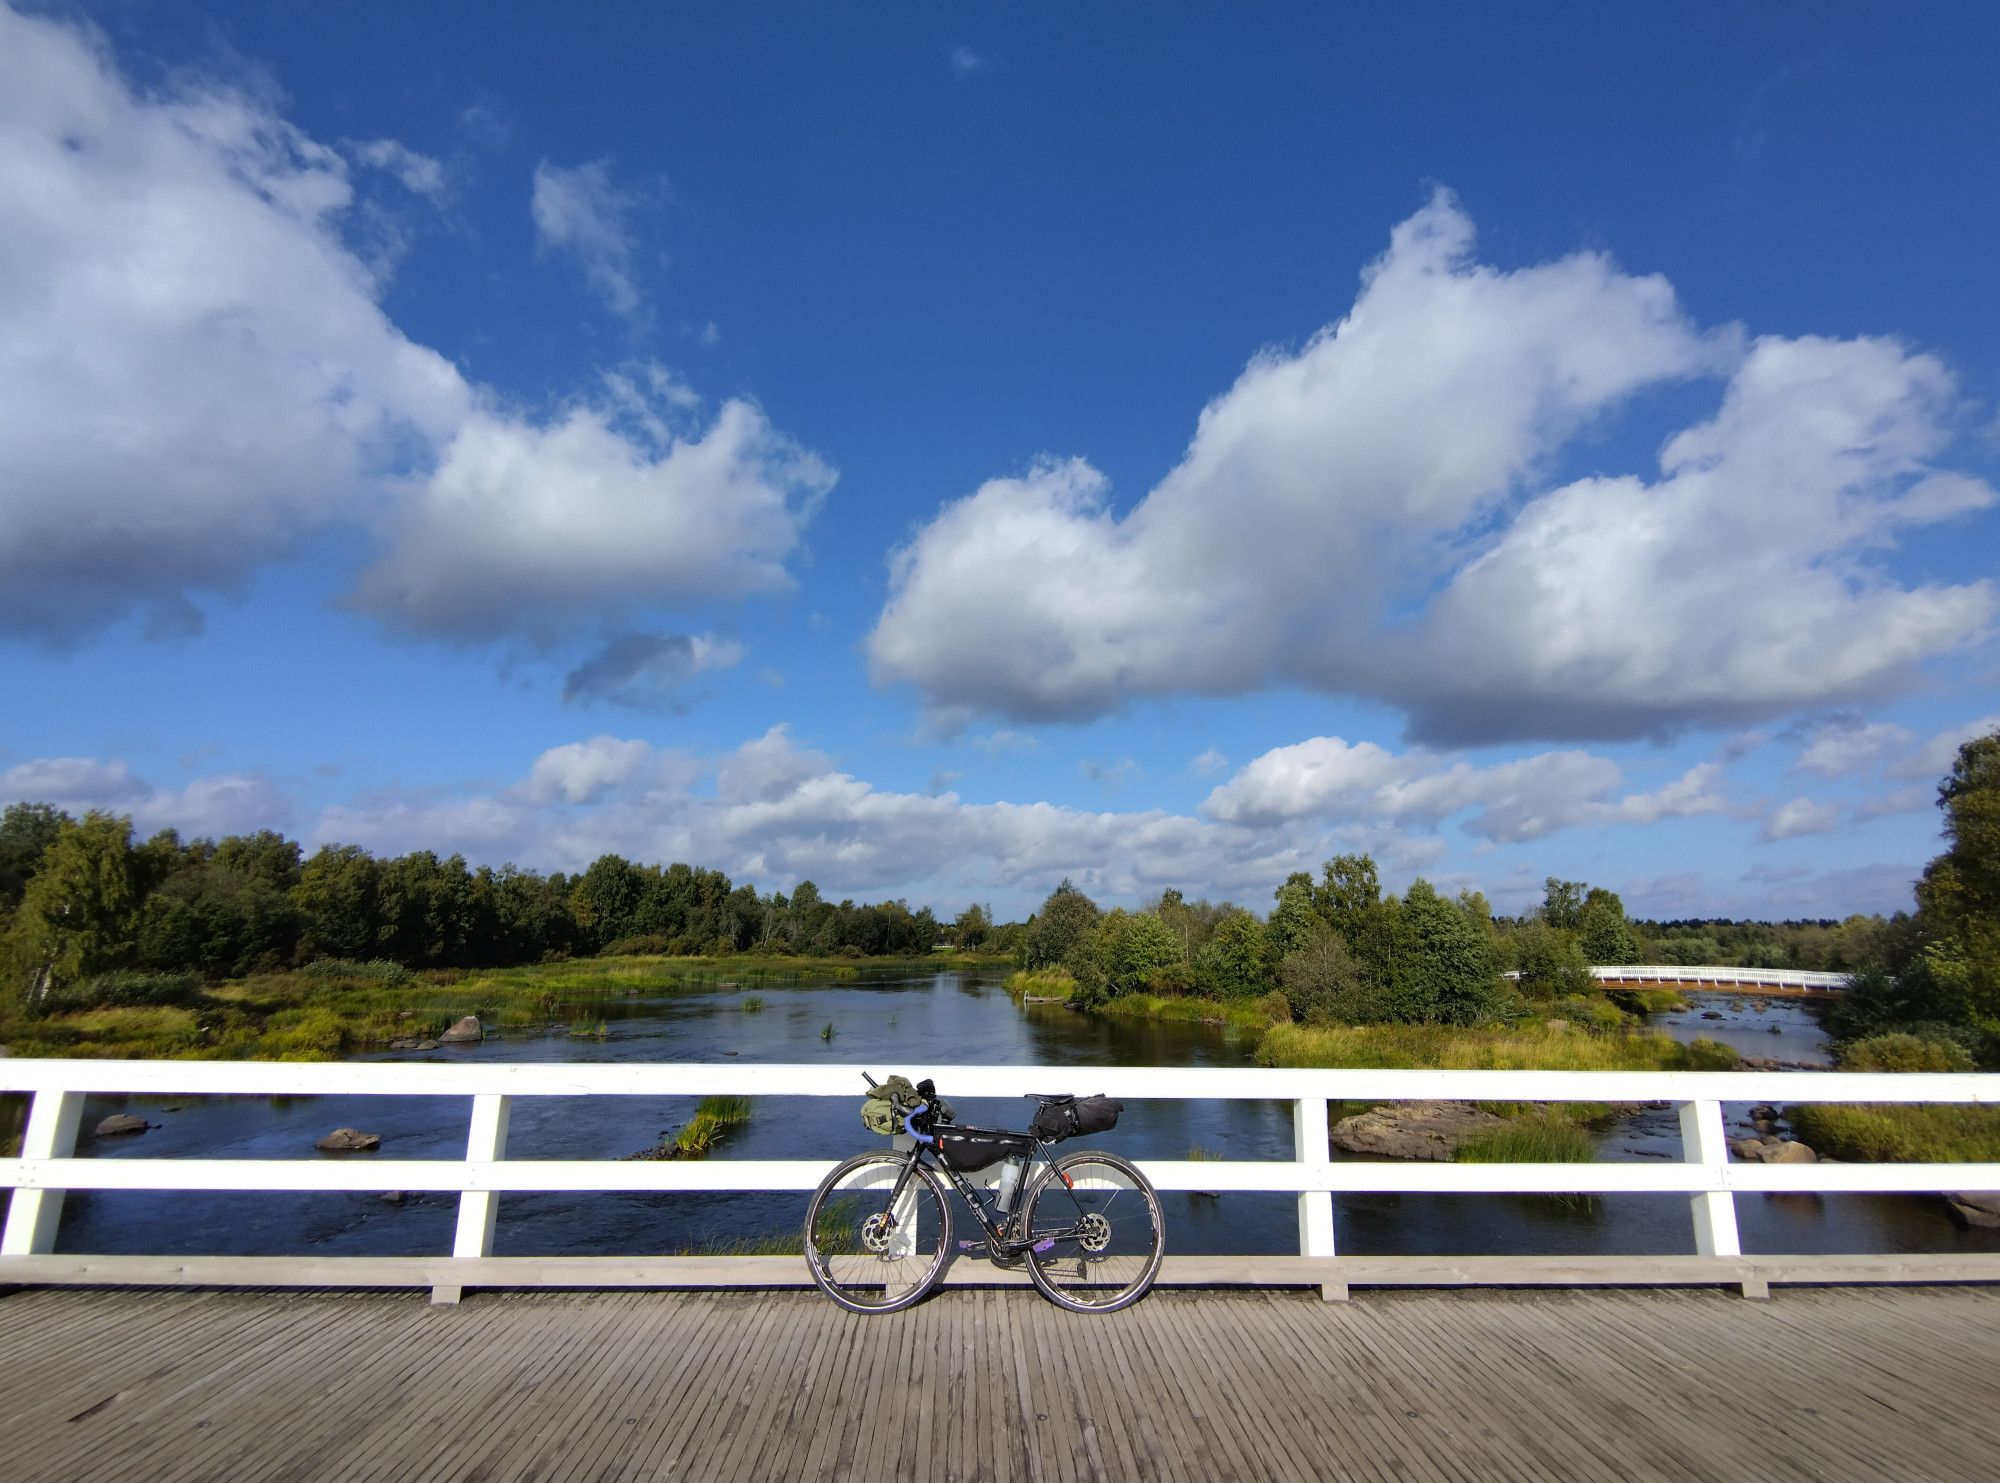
1093	1232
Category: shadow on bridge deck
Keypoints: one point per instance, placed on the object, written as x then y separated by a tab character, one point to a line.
166	1386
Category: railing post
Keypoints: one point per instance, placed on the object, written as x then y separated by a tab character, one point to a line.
485	1142
1704	1141
33	1216
1309	1147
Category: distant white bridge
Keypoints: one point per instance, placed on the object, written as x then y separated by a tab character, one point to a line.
1764	980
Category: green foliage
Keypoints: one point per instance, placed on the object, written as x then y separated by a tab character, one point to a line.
122	988
1059	928
1562	904
1323	984
1551	961
1243	1014
1294	920
1232	965
79	915
374	971
714	1118
1900	1133
305	1035
1042	983
1905	1052
1591	1011
1538	1138
1443	970
1456	1048
1602	930
26	831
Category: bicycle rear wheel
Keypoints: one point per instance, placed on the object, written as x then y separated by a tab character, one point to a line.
868	1250
1095	1232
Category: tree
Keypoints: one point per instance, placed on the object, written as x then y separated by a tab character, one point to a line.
340	893
80	913
26	830
1562	903
606	897
1323	984
1233	963
1958	899
1066	917
973	926
1294	920
1602	930
1551	963
1444	970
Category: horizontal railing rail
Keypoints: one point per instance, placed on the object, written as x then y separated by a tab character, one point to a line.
47	1166
1728	978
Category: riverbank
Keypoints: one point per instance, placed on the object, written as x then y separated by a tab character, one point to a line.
334	1008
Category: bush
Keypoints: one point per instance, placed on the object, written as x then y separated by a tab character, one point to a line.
1323	985
1592	1010
1904	1052
123	989
648	945
1170	981
375	971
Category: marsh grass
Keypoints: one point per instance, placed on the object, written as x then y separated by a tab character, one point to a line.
1256	1015
1537	1138
1650	1001
752	1004
1900	1133
1453	1048
714	1118
1042	983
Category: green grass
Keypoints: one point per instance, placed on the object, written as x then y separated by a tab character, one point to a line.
752	1004
1042	983
1447	1047
1244	1014
714	1118
1900	1133
1538	1138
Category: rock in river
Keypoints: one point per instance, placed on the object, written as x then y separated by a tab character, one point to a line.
467	1029
121	1122
349	1140
1413	1130
1976	1207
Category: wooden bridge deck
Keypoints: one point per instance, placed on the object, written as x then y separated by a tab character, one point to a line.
1418	1387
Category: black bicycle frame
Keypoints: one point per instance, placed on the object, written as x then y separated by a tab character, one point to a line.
997	1239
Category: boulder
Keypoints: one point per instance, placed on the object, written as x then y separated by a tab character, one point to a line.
349	1140
120	1123
465	1031
1711	1014
1764	1110
1772	1151
1413	1130
1977	1207
392	1197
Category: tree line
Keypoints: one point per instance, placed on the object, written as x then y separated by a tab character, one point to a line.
79	899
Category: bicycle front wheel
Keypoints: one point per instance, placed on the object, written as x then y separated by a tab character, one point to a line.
870	1249
1095	1234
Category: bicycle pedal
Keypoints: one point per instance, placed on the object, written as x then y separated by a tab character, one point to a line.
1046	1244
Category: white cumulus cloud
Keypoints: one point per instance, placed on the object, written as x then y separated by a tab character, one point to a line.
1394	465
196	374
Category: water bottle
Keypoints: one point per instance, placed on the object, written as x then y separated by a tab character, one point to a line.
1010	1184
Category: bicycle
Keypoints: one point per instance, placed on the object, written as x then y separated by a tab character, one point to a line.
878	1232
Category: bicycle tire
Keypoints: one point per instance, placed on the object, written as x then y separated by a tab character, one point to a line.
847	1251
1088	1261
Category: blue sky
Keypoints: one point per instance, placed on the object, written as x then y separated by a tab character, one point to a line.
941	450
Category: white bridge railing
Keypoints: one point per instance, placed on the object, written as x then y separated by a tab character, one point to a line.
47	1167
1722	978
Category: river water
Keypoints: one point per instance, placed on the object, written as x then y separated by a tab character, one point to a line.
896	1023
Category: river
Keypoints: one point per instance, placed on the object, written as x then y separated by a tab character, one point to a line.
896	1023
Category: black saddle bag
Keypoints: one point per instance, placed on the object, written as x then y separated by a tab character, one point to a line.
1072	1117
